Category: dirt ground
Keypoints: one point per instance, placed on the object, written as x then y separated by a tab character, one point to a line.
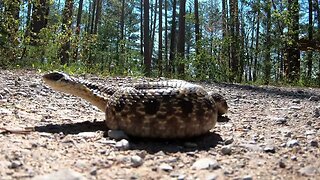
268	133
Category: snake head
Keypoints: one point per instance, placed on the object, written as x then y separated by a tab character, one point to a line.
220	101
58	80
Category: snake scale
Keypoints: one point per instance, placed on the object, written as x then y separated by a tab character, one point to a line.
162	109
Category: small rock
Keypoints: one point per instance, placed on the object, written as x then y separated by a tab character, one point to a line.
314	98
65	174
211	176
117	134
316	112
106	141
269	149
123	144
314	143
33	85
309	132
282	164
136	161
93	171
287	134
5	111
228	141
280	120
294	158
226	150
292	143
295	107
248	177
165	167
15	164
181	177
81	164
308	171
87	135
205	163
296	101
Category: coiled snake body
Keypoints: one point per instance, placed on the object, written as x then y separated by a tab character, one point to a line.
163	109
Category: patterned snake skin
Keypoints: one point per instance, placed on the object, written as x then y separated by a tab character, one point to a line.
163	109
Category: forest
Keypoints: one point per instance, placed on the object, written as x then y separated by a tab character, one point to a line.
242	41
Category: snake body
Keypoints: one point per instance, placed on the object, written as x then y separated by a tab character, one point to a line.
163	109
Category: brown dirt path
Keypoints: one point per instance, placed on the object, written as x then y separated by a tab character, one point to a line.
269	133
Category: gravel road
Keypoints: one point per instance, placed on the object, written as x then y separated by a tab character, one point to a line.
268	133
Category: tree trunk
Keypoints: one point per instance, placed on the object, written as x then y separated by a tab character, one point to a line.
234	32
173	38
267	56
66	25
146	39
40	12
98	14
310	37
160	39
197	26
141	28
88	25
255	63
75	54
93	15
293	53
153	27
318	33
166	35
181	37
121	41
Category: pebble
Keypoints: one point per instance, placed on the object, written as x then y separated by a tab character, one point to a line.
294	158
226	150
282	164
33	85
316	112
117	134
64	174
165	167
81	164
310	132
280	120
15	164
93	171
308	171
205	163
122	144
211	176
136	161
295	107
314	143
87	135
296	101
229	141
269	149
247	177
5	111
181	177
292	143
314	98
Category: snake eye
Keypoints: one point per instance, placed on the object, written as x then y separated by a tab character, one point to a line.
55	76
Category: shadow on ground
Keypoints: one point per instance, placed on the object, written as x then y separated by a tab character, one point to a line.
73	128
204	142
